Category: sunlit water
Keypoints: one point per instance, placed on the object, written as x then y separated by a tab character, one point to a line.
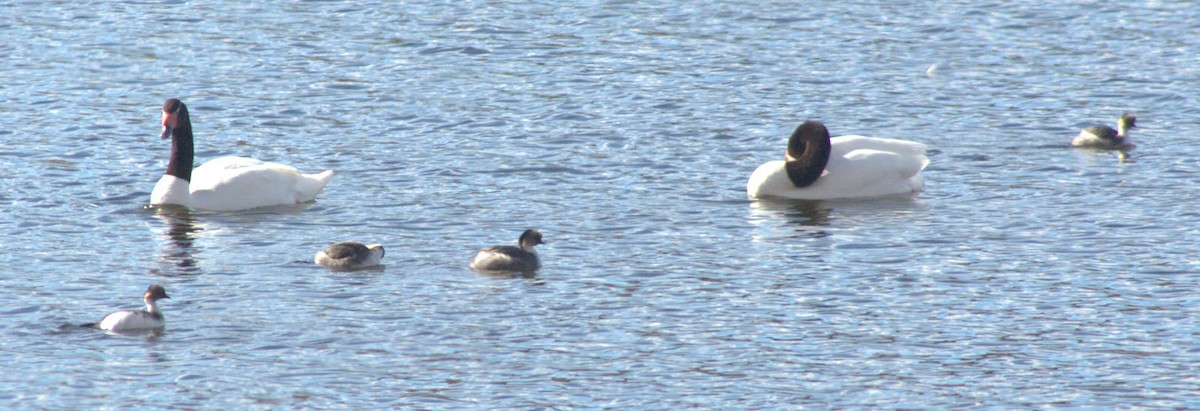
1029	274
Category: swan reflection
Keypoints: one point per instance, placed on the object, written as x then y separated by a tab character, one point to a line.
807	215
181	232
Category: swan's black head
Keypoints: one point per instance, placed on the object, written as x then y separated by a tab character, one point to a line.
178	127
802	138
530	238
175	116
807	153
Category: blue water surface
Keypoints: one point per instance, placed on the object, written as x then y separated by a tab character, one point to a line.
1028	275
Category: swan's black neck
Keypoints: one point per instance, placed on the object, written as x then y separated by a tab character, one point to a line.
182	153
807	153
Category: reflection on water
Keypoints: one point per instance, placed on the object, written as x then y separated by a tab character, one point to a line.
806	215
528	275
1123	155
372	269
181	231
150	334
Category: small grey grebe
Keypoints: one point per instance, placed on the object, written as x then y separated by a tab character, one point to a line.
509	258
1107	137
349	255
132	320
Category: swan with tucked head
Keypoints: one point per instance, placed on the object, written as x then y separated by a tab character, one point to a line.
1106	137
226	183
136	320
349	255
507	258
816	167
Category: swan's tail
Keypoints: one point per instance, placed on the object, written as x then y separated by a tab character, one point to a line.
311	184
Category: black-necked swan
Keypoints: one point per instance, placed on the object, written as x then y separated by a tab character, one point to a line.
349	255
134	320
816	167
1107	137
507	258
226	183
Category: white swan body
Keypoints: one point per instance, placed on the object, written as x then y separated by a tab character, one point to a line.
226	183
239	183
857	166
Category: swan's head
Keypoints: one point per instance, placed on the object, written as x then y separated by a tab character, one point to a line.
154	293
807	153
174	113
807	132
530	238
1127	121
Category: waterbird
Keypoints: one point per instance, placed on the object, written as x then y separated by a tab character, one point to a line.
1107	137
225	183
134	320
817	167
349	255
507	258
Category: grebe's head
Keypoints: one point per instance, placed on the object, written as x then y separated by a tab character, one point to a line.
155	292
530	238
1127	121
376	248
